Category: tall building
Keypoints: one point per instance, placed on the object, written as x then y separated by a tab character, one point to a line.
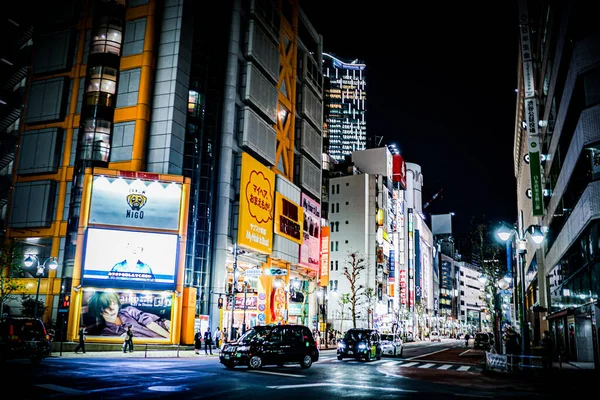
472	306
556	154
170	154
345	104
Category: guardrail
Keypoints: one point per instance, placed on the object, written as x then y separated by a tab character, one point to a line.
513	363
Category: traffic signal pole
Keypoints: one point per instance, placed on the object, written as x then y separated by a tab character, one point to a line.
233	282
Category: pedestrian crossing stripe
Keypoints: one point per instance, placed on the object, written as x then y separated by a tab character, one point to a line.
408	364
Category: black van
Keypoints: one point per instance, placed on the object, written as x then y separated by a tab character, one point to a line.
271	344
22	337
360	343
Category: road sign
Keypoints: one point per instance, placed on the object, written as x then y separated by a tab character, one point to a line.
276	272
253	272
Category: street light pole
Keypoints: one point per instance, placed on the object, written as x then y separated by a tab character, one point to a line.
233	283
40	268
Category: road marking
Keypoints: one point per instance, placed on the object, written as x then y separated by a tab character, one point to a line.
426	365
463	368
428	354
61	389
377	362
278	373
445	366
465	352
391	363
307	385
410	364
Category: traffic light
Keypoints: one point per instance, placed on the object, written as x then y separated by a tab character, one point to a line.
66	301
220	302
275	272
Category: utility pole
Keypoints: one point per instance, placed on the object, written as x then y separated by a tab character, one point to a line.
232	295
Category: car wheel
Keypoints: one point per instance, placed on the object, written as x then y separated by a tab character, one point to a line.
401	351
395	351
255	362
368	356
378	355
340	358
229	365
306	361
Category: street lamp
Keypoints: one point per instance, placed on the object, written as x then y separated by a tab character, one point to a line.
536	234
50	263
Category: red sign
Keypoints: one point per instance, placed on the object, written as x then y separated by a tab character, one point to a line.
140	175
399	170
403	286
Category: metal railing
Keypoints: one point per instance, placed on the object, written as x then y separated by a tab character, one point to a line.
513	363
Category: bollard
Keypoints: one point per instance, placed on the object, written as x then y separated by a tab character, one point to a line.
146	351
178	344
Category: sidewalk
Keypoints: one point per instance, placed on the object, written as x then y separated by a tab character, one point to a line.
99	350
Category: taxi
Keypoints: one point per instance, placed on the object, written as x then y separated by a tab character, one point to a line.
391	344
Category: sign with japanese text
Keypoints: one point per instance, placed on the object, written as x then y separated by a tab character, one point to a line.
289	218
324	275
255	227
309	250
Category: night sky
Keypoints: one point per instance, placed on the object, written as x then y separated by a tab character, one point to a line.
441	81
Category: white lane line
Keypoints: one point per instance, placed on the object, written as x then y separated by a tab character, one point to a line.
445	366
464	352
426	365
428	354
278	373
61	389
410	364
391	363
307	385
377	362
464	368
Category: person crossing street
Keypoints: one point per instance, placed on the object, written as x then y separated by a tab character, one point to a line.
208	341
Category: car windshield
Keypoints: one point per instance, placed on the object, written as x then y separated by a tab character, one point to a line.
482	337
256	334
389	338
356	335
434	334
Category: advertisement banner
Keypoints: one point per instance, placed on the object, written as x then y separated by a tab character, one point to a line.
399	170
135	203
255	226
537	193
110	312
251	302
289	217
129	259
324	275
403	285
309	250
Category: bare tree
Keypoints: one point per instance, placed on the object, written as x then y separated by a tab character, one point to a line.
355	264
370	296
306	290
343	301
11	255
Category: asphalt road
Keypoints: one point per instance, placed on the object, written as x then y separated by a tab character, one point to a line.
427	370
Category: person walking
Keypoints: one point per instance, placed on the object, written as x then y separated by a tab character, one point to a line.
208	341
81	345
218	336
225	337
547	349
128	344
198	341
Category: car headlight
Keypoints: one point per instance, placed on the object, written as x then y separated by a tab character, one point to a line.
243	348
362	346
341	345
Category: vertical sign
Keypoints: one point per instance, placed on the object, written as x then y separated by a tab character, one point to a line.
309	250
531	112
418	274
324	276
289	218
255	227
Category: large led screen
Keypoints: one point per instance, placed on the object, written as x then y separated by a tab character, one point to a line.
129	259
110	312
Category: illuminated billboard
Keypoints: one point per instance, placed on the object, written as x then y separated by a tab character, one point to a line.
108	313
289	217
135	203
309	250
324	274
255	226
129	259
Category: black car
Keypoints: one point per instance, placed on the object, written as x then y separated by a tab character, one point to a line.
360	343
22	337
483	341
271	344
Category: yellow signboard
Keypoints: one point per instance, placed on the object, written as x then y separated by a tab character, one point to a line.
289	218
255	226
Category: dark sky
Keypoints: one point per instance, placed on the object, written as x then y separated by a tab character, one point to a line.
441	81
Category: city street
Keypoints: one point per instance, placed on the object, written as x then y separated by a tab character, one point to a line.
427	370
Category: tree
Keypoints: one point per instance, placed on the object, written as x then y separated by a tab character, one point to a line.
11	255
370	297
343	301
355	264
420	311
28	303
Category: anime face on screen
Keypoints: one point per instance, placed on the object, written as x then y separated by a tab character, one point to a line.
132	267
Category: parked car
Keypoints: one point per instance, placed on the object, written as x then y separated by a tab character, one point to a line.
482	341
22	337
435	336
391	344
408	337
360	343
271	344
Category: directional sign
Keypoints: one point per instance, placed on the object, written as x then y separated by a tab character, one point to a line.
253	272
276	272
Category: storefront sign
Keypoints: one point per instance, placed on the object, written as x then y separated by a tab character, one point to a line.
309	250
255	227
289	218
135	203
324	274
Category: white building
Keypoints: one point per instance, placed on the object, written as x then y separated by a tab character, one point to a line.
472	297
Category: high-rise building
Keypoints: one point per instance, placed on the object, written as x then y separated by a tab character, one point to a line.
170	155
556	160
345	104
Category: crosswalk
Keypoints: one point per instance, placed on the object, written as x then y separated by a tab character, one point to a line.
405	364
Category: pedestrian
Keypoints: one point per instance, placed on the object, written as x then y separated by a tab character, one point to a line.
218	336
225	338
547	349
208	341
128	344
81	345
467	337
198	341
